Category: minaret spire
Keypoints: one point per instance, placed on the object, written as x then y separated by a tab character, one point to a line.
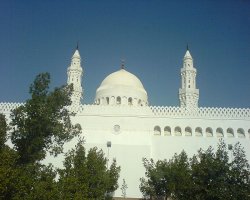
75	73
188	93
77	46
122	64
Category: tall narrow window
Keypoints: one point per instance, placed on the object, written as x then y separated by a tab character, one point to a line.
241	133
188	131
198	131
177	131
209	132
219	132
157	130
167	130
130	101
118	100
230	133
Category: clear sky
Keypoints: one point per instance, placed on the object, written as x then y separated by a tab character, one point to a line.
151	35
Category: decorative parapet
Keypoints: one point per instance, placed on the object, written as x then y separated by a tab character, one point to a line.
202	112
154	111
168	111
6	107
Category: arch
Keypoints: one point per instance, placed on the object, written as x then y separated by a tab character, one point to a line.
198	131
177	131
241	133
107	100
230	133
157	130
118	100
98	102
130	101
167	130
219	132
209	132
139	102
188	131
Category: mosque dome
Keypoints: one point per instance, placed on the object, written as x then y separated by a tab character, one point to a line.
121	88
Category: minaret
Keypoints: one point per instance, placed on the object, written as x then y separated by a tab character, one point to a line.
188	93
75	73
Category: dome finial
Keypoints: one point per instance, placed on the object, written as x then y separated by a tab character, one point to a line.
122	64
77	46
187	47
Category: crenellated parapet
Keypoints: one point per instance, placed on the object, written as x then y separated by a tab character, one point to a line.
7	107
202	112
167	111
153	111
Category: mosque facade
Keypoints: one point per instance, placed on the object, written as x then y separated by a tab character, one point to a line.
123	124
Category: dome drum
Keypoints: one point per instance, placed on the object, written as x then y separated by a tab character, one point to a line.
120	100
121	88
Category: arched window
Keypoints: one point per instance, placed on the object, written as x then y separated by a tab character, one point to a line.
188	131
198	131
139	102
130	101
241	133
157	130
249	133
167	131
177	131
219	132
107	100
230	133
209	132
118	100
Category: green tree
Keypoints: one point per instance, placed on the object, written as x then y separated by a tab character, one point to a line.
3	131
124	188
33	181
167	178
208	175
43	123
239	182
87	176
8	157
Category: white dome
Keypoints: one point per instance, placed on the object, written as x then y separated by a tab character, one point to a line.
121	87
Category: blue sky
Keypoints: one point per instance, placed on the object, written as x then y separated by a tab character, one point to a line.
40	36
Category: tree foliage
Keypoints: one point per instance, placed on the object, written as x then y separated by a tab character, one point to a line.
7	163
86	176
41	126
43	122
3	131
124	188
208	175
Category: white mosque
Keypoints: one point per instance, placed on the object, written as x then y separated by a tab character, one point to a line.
121	122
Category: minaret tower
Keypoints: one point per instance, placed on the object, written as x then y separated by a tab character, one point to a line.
75	73
188	93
